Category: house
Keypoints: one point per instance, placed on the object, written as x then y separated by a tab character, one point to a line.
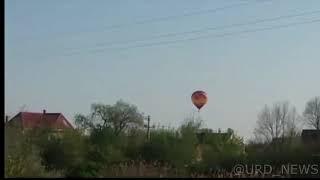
310	136
311	139
204	134
30	120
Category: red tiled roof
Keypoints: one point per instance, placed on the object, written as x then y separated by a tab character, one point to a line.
50	120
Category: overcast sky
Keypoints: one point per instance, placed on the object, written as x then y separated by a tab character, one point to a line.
65	55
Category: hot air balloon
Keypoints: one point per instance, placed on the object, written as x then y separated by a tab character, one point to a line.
199	99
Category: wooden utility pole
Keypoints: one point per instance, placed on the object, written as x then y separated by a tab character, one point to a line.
148	128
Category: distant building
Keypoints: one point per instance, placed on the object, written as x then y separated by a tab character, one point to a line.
206	136
203	134
311	139
310	136
30	120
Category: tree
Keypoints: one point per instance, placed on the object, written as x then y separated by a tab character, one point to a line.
293	123
222	150
278	121
118	117
191	124
312	112
63	152
83	123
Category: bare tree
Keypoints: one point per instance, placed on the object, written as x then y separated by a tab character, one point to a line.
293	127
265	130
278	121
312	112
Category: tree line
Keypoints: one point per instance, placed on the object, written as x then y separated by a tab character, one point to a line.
111	141
282	120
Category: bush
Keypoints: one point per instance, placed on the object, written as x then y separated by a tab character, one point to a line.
22	158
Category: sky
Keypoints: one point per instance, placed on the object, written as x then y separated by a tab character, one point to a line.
63	56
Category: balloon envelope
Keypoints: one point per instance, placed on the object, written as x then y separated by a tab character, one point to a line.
199	99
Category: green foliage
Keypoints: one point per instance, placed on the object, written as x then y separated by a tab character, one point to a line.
117	117
22	158
287	151
73	153
177	148
83	123
134	142
222	150
64	150
159	146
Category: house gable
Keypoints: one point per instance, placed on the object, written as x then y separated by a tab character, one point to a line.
40	120
15	121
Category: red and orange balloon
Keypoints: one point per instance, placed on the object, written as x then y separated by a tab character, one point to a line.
199	99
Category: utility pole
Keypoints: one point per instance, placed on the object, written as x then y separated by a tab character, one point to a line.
148	128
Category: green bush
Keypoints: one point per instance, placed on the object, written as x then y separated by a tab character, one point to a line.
22	158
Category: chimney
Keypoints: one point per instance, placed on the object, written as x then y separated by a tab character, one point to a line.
43	118
43	114
7	119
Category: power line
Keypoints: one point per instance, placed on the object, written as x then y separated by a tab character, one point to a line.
168	18
224	34
257	21
203	37
188	14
